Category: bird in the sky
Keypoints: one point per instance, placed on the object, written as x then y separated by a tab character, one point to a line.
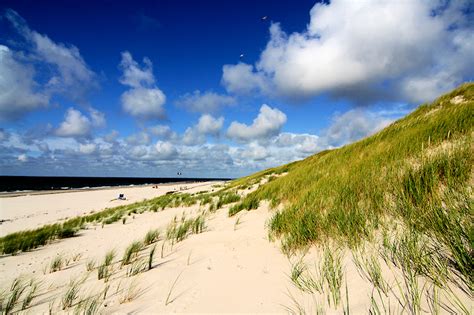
242	56
264	18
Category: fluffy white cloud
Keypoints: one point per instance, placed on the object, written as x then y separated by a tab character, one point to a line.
143	100
209	125
72	69
23	158
354	125
63	72
97	118
144	103
140	156
191	137
165	150
138	138
18	90
267	124
133	75
70	74
87	148
162	131
75	124
207	102
206	126
111	136
305	143
363	50
241	79
255	152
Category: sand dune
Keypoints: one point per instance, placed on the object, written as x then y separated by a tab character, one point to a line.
231	267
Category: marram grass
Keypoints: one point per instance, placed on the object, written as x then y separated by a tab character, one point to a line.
418	172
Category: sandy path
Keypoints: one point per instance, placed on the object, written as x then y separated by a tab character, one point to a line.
33	211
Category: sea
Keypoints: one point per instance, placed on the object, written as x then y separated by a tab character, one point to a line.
36	183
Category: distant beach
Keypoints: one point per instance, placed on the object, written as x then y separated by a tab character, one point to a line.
32	209
27	184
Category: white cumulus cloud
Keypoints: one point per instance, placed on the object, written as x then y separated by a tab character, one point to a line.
241	79
144	103
75	124
209	125
18	91
144	99
87	148
207	102
165	150
206	126
133	75
354	125
364	51
69	73
267	124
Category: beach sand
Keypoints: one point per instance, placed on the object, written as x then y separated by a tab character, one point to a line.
231	267
33	210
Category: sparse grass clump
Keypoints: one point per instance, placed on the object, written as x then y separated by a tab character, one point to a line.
90	265
306	280
89	305
30	295
130	293
170	292
332	273
369	268
226	198
137	266
150	257
57	263
13	296
131	252
104	270
176	232
152	236
72	293
250	202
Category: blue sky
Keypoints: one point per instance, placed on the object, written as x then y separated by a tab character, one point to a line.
150	88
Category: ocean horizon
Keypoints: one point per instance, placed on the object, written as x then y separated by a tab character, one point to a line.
37	183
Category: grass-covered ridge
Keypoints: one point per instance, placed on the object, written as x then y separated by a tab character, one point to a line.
416	174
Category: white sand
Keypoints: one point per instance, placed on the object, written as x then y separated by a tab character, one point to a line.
228	268
35	210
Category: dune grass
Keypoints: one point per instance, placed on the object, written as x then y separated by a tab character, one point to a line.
417	171
178	231
57	263
170	291
30	239
131	252
89	305
71	294
332	273
151	237
104	270
130	293
151	255
20	290
90	265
